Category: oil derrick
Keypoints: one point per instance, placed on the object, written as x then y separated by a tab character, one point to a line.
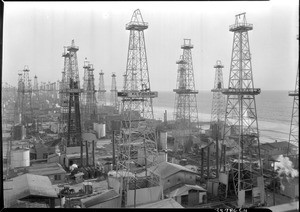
137	143
89	99
186	112
35	100
294	128
113	92
18	103
8	97
101	91
25	92
241	153
218	106
70	125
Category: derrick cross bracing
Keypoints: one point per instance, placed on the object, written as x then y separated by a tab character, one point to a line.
69	120
101	91
242	160
89	103
185	112
23	106
137	141
293	146
114	92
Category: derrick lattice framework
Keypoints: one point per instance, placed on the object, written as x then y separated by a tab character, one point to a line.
137	130
70	125
114	92
89	103
218	102
294	127
186	112
23	107
241	135
101	90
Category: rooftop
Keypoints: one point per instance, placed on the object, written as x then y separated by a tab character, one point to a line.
165	203
166	169
46	169
183	190
99	198
28	185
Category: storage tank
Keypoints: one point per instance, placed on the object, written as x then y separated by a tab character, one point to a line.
20	158
163	139
102	130
95	126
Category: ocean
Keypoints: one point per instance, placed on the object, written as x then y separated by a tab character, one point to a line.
274	110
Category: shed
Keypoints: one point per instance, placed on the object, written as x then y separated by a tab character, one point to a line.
189	195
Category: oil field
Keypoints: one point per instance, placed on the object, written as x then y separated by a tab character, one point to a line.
83	141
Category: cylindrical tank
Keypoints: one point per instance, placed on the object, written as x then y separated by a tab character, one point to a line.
20	158
163	139
102	130
95	126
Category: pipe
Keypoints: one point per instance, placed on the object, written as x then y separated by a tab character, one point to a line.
87	153
94	154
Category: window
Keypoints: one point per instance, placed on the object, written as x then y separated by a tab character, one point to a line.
178	180
57	177
45	155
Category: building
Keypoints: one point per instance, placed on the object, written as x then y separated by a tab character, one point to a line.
275	148
173	175
29	190
54	171
107	199
189	195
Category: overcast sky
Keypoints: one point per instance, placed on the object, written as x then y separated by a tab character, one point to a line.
34	34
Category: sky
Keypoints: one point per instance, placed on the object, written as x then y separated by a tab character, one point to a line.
34	34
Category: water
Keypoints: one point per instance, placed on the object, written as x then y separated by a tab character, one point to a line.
274	110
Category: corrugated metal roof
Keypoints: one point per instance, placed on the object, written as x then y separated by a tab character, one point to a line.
165	203
166	169
28	185
185	188
99	198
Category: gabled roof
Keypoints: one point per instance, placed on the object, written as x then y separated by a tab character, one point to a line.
99	198
165	203
166	169
29	185
183	190
282	144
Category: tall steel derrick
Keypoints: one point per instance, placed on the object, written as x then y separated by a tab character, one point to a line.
36	99
294	127
241	135
137	130
218	102
8	102
186	112
70	125
89	103
114	92
101	90
23	107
